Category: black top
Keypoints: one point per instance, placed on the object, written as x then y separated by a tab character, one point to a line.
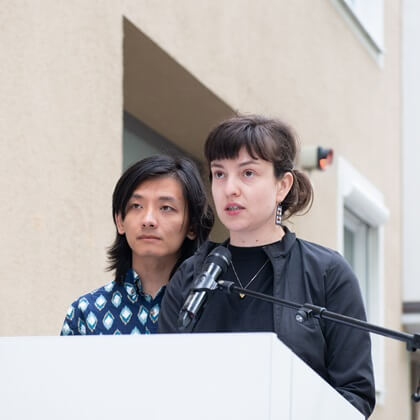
303	272
231	313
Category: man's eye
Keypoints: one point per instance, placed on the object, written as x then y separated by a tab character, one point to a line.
218	174
135	206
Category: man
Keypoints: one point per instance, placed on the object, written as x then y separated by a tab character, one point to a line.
162	215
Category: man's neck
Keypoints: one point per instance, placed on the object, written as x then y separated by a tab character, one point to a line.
154	273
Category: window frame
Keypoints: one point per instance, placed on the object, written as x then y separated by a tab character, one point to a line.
358	14
357	194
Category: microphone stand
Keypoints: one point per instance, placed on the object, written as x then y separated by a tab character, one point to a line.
306	311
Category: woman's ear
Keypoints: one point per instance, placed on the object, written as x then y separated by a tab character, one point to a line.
119	222
284	185
191	234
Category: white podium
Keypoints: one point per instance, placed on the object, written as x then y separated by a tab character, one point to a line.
193	376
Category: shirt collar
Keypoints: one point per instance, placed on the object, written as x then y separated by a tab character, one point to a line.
132	282
282	247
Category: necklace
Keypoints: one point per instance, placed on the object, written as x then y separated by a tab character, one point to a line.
250	281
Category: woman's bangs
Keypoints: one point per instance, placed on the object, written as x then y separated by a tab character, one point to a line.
220	148
228	147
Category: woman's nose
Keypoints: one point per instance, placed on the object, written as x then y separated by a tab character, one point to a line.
232	187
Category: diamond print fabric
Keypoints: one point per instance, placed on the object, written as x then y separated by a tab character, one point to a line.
116	308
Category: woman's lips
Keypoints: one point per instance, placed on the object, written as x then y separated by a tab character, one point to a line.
233	209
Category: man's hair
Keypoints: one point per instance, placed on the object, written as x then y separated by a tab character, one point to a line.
268	139
199	212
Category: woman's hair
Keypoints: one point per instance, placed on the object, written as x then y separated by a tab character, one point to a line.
200	214
268	139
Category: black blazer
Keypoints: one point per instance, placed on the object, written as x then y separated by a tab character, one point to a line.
304	272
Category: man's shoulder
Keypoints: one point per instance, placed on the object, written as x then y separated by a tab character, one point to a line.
97	298
86	309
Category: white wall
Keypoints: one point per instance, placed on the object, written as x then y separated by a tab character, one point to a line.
411	149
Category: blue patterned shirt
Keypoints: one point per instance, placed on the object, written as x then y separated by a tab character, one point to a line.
116	308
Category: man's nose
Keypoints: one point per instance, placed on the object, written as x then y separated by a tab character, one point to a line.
149	219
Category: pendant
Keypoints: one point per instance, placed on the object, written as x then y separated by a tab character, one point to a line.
241	295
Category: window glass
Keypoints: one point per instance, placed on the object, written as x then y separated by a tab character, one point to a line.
356	251
140	141
369	14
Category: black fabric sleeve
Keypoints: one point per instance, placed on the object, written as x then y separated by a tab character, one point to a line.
175	295
349	361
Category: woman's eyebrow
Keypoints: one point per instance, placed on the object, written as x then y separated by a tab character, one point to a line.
247	162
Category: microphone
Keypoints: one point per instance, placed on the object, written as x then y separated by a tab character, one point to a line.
215	264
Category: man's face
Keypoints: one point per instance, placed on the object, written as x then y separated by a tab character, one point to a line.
156	221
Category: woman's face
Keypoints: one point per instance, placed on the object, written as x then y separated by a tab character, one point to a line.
246	193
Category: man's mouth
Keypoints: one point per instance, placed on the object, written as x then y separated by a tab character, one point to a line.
148	237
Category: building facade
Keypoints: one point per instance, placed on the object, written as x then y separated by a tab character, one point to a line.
89	87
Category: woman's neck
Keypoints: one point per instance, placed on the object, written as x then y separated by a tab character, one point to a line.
258	238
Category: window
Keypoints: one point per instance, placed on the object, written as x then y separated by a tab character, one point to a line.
356	251
140	141
361	217
366	19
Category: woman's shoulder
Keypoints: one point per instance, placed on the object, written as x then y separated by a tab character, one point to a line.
192	265
201	253
320	254
329	265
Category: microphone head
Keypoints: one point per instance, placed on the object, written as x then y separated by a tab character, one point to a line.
220	256
215	263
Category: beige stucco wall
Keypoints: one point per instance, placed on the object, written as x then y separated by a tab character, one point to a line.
61	90
60	154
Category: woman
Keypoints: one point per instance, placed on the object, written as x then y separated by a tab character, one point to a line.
161	215
255	186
